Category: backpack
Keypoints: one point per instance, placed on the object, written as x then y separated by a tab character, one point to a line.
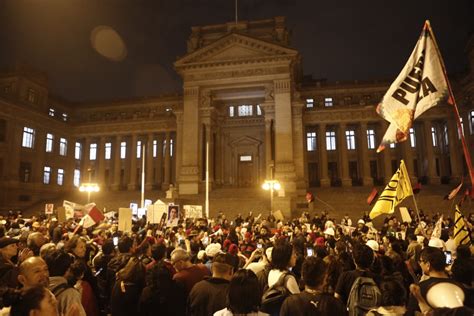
364	296
274	296
60	288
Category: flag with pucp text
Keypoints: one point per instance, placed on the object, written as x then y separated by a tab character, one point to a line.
396	191
420	86
461	231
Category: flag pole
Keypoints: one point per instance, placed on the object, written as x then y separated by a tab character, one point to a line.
142	204
414	200
207	179
467	155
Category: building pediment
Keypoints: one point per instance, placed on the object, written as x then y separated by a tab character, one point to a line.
245	141
235	48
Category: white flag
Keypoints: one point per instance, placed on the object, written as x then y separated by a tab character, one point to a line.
420	86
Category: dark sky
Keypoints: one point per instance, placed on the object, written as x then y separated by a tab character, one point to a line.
339	40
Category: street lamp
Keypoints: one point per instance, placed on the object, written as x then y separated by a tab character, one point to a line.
271	185
89	188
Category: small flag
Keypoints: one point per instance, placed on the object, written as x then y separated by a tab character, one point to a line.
420	86
372	196
417	188
396	191
437	229
453	193
461	232
92	217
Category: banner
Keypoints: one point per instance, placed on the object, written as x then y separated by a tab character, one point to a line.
396	191
461	231
192	211
125	219
48	209
420	86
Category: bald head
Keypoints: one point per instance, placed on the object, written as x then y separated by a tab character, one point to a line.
33	272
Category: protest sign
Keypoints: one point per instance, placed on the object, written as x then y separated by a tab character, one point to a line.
192	211
48	208
125	219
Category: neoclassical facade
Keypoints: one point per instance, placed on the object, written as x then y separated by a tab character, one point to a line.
244	94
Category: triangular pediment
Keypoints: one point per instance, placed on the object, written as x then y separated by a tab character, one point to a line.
234	47
245	141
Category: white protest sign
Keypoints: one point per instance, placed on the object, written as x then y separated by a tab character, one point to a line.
125	219
192	211
48	208
155	212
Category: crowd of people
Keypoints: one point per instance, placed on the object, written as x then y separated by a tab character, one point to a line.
248	265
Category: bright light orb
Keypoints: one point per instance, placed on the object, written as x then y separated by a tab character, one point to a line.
108	43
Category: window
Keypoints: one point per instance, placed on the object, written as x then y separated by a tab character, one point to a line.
123	150
49	142
93	151
28	137
309	103
331	140
78	151
347	100
259	110
155	147
471	121
31	95
108	151
139	149
245	110
246	158
60	176
77	177
412	138
25	172
311	141
462	128
445	134
434	137
46	175
7	88
366	99
63	146
64	117
328	102
371	139
51	112
350	139
231	111
171	147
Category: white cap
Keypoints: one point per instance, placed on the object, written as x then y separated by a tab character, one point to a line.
436	243
201	254
361	221
213	249
373	244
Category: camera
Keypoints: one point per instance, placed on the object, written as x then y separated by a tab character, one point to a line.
309	252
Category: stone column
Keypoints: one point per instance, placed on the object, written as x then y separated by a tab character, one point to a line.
117	163
159	160
429	157
189	173
342	151
299	156
70	164
166	182
407	156
386	153
101	161
132	183
149	163
218	161
86	173
209	139
178	145
455	151
38	162
363	156
323	156
268	147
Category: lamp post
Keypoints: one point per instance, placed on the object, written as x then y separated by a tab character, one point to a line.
89	187
271	185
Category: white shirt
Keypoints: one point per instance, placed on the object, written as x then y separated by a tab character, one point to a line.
291	283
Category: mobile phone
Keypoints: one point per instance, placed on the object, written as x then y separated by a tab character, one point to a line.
449	257
259	246
115	241
309	252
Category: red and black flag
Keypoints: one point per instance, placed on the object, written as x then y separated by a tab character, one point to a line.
453	193
372	196
417	188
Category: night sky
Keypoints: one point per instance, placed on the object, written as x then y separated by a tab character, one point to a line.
338	40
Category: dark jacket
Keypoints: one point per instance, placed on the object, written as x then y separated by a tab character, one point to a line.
8	274
208	296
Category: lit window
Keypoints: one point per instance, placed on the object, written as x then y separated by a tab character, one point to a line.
49	142
63	146
446	136
245	110
311	141
246	158
412	138
31	96
51	112
471	121
93	151
28	137
371	139
108	151
347	100
77	177
139	149
60	176
123	150
171	147
78	151
328	102
259	110
64	117
434	137
164	147
155	147
331	140
231	111
46	175
350	138
309	103
462	128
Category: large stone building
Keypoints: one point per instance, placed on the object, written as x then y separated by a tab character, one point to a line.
244	93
